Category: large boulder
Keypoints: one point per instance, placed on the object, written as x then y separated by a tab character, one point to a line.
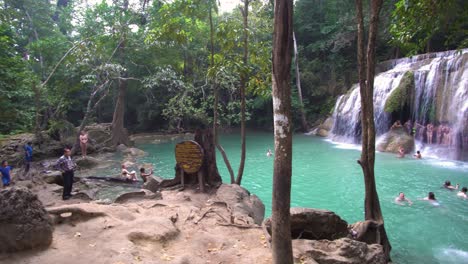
340	251
307	223
153	183
323	129
393	139
244	206
24	223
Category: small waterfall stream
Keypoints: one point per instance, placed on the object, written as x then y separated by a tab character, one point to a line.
439	99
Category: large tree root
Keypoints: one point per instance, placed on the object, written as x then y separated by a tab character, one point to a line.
72	215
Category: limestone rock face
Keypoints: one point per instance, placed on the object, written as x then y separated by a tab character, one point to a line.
339	251
393	139
24	223
307	223
243	205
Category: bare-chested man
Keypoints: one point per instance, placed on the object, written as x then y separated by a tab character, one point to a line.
429	132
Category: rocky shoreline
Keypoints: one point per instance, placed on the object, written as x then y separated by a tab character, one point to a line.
223	225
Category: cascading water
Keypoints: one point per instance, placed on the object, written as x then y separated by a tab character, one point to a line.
439	98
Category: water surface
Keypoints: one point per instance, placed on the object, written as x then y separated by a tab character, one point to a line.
326	175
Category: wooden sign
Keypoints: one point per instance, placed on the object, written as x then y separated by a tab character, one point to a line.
189	156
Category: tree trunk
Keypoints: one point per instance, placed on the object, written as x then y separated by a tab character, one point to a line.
243	80
119	133
209	170
281	77
37	103
305	127
214	87
366	69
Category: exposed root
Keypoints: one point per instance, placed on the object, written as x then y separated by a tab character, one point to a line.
72	215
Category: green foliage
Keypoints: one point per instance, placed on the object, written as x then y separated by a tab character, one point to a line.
427	25
401	95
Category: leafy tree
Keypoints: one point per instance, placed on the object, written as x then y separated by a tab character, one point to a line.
429	25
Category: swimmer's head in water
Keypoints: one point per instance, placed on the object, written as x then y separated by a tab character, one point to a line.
431	196
447	183
464	190
142	170
401	195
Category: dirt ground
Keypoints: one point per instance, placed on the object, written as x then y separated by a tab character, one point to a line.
183	227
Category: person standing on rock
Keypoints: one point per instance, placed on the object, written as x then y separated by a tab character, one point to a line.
83	142
429	133
5	170
28	153
67	167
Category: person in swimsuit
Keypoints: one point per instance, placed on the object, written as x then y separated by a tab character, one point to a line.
145	175
400	199
269	153
418	155
429	132
83	142
462	193
128	175
401	152
448	185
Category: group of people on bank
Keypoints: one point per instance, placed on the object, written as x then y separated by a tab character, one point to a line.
66	165
429	133
401	198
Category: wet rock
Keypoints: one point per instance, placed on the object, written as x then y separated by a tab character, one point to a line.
153	183
24	223
55	177
244	206
85	195
137	196
135	152
307	223
87	162
393	139
340	251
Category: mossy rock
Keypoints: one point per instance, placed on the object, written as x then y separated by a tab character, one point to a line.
401	96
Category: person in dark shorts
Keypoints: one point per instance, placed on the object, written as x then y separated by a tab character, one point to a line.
67	167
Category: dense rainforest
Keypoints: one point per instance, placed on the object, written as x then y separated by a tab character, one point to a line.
157	65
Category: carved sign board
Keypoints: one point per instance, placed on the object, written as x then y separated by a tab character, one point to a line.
189	156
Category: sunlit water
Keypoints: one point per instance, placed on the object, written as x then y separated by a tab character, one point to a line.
326	175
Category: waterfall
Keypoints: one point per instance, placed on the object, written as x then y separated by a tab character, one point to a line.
439	97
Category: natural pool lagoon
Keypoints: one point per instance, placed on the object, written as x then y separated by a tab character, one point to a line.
326	175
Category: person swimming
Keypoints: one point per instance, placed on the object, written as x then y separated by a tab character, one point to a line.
462	193
269	153
448	185
431	198
401	152
418	155
400	199
128	175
